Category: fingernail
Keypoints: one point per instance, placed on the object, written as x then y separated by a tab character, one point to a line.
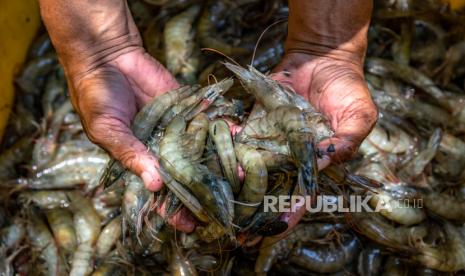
323	162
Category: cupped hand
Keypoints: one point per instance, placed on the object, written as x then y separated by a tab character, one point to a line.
337	89
107	99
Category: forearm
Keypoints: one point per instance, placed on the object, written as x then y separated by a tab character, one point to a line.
330	28
89	33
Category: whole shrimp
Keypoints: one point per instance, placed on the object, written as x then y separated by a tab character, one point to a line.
87	226
42	241
134	198
221	136
277	248
69	172
376	228
255	183
46	145
268	91
383	67
326	259
144	122
301	129
196	103
61	223
179	45
108	237
195	177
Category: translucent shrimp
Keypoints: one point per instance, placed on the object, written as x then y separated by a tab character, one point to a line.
197	132
179	44
108	237
268	91
255	183
61	223
195	177
42	242
87	226
221	136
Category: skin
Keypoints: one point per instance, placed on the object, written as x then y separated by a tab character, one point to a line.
111	76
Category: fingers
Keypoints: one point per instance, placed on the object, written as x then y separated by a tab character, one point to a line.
182	220
292	218
147	75
118	140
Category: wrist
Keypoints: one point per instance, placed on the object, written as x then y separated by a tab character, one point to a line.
335	29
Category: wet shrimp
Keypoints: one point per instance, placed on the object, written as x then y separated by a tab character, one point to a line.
268	91
221	136
214	12
369	261
197	132
42	241
108	237
46	199
255	183
69	172
378	229
326	259
277	248
144	122
179	46
195	177
61	223
87	226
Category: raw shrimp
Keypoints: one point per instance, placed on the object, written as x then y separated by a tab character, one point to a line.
179	44
144	122
268	91
197	132
61	223
255	183
42	241
417	165
325	259
198	102
407	74
376	228
221	136
195	177
284	120
214	12
386	137
55	87
87	226
226	108
277	248
45	146
108	237
46	199
134	198
69	172
451	157
449	256
276	161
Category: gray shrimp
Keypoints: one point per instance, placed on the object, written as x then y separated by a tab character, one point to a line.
221	136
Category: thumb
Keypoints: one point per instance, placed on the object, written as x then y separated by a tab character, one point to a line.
336	150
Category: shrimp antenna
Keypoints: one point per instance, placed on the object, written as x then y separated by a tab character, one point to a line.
261	36
222	54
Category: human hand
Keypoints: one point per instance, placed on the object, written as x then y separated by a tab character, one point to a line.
110	78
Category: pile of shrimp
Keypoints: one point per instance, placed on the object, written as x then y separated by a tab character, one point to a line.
232	136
